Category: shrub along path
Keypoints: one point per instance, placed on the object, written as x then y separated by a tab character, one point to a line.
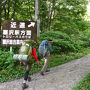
63	77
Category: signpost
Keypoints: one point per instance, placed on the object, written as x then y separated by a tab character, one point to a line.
37	7
15	32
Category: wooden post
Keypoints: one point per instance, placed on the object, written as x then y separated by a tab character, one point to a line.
37	6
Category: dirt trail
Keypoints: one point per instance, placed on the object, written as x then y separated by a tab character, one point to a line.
62	77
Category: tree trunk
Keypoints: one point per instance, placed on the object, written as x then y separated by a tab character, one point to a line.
14	10
0	19
8	10
30	14
37	6
0	16
13	14
51	14
50	20
5	13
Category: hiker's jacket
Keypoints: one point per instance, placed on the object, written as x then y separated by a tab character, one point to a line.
44	47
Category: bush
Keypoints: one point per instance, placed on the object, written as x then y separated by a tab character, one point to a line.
85	38
61	41
83	84
9	68
6	60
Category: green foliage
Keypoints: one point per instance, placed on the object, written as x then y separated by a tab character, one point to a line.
62	58
65	18
63	42
69	17
83	84
63	15
9	68
14	70
85	38
44	18
82	25
6	60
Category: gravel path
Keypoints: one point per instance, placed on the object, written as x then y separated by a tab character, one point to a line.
62	77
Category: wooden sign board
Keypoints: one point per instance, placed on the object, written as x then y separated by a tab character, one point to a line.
15	32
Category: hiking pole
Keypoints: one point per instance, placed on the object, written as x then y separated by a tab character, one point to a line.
38	66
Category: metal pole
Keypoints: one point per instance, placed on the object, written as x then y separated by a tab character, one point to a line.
11	46
38	28
37	6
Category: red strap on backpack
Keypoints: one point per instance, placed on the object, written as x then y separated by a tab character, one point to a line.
34	54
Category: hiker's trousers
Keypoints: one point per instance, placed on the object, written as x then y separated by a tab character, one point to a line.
46	62
28	67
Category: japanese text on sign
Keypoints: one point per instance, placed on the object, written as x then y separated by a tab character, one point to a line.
14	32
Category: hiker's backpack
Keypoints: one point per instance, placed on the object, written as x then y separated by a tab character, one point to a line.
23	53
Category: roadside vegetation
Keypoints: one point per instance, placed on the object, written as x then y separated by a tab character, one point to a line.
62	21
83	84
11	69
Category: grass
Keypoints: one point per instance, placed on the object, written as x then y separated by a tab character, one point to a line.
55	60
83	84
64	58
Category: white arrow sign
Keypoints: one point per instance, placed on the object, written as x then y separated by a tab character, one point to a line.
32	24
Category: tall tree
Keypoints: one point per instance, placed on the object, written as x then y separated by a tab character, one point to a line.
69	14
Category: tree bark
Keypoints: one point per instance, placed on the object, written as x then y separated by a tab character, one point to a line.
5	13
51	14
14	10
0	16
8	10
37	6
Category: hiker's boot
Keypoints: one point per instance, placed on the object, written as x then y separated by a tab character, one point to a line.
47	70
29	79
42	73
24	86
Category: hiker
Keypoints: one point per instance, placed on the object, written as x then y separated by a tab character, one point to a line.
26	49
44	50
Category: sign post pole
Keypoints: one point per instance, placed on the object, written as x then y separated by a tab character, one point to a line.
11	46
37	6
38	28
